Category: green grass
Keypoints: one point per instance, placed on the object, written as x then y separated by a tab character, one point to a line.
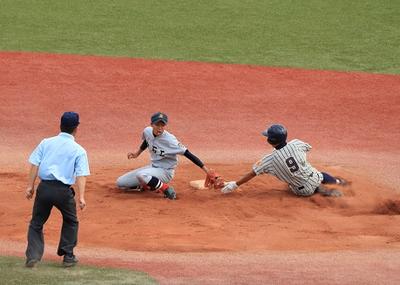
12	271
361	35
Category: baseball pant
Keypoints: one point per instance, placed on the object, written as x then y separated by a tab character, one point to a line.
131	180
309	188
49	194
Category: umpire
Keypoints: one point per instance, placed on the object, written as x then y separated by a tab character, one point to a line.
58	161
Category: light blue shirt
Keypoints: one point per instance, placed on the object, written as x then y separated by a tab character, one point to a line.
60	158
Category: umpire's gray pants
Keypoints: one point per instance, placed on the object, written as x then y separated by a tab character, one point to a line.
131	179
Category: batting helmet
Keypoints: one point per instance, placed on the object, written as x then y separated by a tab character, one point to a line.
276	134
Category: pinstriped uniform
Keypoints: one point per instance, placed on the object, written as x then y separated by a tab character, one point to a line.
289	164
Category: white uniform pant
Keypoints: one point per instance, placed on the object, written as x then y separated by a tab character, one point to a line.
131	180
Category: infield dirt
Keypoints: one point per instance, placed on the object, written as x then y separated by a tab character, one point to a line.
218	111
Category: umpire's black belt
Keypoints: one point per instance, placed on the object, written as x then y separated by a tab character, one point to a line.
55	183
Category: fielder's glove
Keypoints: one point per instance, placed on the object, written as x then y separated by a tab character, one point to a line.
229	187
214	180
219	182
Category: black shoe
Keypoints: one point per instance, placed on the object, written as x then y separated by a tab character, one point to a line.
30	263
170	193
70	260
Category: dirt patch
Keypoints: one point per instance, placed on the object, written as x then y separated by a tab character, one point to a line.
261	215
388	207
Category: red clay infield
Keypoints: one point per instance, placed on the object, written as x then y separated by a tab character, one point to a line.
218	111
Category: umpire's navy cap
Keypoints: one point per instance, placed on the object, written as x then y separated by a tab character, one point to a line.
70	119
159	117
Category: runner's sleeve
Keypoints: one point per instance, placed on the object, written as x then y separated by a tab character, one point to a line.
263	165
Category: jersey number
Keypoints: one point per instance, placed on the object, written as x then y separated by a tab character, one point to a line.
292	164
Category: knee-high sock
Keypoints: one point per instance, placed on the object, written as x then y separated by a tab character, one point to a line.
156	184
328	179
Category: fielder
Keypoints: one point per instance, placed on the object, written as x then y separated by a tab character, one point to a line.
288	162
164	149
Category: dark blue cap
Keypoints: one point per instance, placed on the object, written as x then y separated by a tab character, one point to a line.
70	119
159	117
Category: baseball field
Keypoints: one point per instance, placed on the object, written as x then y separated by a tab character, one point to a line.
223	71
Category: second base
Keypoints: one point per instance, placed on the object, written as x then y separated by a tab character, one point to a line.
197	184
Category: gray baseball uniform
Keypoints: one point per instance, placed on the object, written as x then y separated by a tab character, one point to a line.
163	151
289	164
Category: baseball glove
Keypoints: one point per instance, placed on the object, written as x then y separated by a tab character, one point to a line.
214	180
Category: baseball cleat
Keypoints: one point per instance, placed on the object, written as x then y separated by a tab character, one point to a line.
170	193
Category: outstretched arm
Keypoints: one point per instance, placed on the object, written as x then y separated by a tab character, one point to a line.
233	185
213	179
247	177
195	160
136	154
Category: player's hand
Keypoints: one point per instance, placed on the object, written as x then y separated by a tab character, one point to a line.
132	155
82	203
229	187
29	192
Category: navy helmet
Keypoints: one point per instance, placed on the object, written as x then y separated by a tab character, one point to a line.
276	134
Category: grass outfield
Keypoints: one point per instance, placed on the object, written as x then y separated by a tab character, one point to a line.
360	35
12	271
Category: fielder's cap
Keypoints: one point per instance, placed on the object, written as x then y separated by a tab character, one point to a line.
70	119
159	117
